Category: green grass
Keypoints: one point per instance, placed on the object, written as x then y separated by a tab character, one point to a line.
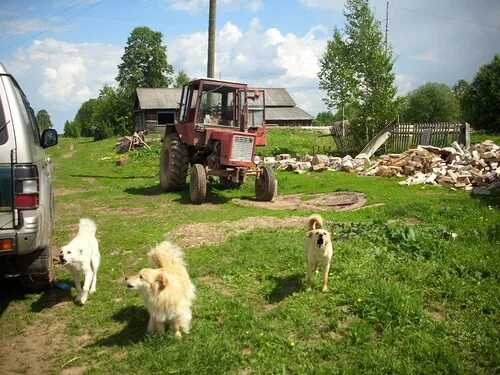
405	296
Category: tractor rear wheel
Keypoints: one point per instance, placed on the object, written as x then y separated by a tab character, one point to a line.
174	163
198	184
265	185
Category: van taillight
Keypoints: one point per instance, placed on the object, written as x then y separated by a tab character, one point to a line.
25	187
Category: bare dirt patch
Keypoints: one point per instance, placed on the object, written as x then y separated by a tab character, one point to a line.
338	201
62	191
27	353
193	235
198	234
440	316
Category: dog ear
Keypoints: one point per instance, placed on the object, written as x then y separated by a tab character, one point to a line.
160	282
310	233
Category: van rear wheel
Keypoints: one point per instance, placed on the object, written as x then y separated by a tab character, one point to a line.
40	274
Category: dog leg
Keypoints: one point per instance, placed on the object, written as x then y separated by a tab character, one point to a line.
184	322
94	265
78	284
310	268
326	269
86	286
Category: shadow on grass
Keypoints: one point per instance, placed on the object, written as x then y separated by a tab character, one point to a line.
492	200
136	319
284	287
15	289
108	177
145	190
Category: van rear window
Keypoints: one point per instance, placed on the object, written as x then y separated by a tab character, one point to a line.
5	188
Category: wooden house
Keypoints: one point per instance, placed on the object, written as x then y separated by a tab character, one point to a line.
155	108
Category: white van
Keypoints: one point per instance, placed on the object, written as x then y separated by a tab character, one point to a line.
26	198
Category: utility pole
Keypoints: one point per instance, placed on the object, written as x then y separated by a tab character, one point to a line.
211	39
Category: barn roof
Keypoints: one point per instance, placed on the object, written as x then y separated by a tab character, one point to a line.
277	97
286	114
279	103
161	98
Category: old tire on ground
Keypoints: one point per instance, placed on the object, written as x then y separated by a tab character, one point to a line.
265	185
174	163
198	184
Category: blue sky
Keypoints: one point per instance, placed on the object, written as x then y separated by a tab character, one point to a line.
63	51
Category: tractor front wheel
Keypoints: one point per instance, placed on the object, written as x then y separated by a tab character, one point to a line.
174	163
265	184
198	184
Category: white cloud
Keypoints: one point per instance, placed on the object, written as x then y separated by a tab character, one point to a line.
264	58
66	68
404	83
324	4
59	76
194	6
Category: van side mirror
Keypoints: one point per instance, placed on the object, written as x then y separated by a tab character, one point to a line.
49	138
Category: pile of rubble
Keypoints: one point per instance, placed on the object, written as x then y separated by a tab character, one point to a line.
476	168
317	163
471	168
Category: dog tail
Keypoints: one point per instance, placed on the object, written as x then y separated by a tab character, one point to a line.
313	220
87	226
166	253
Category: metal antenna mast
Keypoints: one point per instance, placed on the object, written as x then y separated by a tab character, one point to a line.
386	23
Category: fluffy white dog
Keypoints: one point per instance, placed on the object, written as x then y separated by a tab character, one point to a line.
319	250
81	257
167	290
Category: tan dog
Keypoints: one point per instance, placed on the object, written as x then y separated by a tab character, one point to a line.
319	250
166	290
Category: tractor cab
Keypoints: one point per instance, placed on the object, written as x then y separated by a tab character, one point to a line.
218	125
209	103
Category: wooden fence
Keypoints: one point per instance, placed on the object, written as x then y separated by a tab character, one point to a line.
397	138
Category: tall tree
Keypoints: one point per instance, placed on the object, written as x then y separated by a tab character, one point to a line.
356	69
431	102
181	79
324	119
144	63
85	118
43	120
480	101
71	129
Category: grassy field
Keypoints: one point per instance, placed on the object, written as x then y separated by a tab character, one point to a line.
405	296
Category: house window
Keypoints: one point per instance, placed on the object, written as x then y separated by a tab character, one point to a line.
165	118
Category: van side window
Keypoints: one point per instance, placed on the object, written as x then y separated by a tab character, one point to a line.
28	116
3	127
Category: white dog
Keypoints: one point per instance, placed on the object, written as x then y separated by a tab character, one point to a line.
167	290
81	257
319	250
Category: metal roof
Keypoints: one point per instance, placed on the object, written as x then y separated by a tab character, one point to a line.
166	98
279	103
276	97
286	114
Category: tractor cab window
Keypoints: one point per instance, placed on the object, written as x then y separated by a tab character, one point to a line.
217	104
255	109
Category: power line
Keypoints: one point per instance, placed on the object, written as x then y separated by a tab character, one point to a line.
54	25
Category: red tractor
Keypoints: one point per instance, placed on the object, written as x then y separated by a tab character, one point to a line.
218	126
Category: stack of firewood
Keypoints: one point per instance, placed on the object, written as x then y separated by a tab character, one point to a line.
475	168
